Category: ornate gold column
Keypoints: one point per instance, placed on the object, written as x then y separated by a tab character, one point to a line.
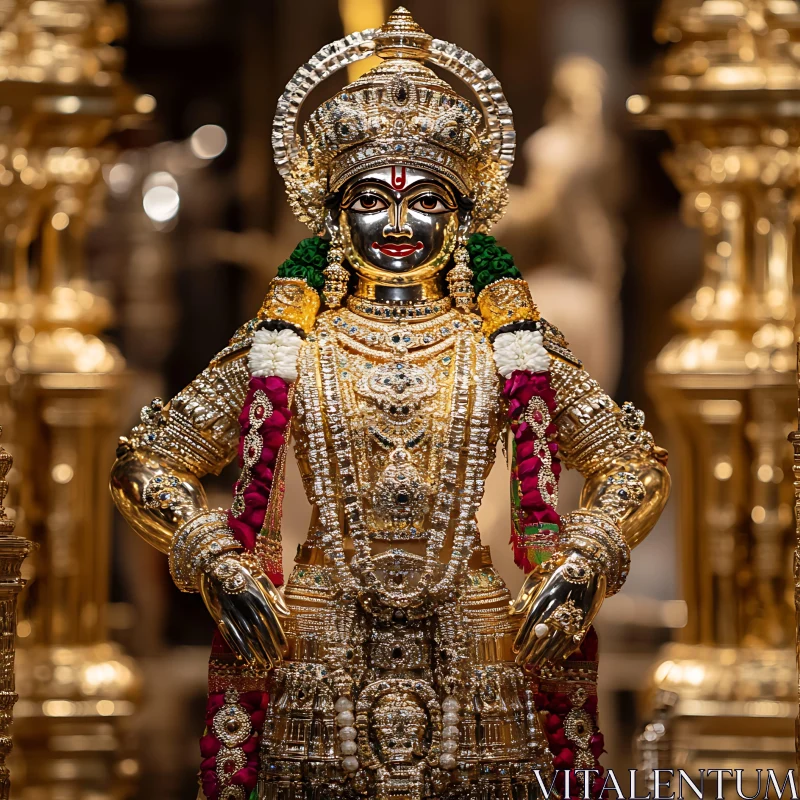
795	439
728	93
13	550
61	95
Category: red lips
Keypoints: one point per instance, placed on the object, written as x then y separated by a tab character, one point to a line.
398	250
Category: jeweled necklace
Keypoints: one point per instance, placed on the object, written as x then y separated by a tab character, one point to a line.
457	500
362	563
385	312
402	336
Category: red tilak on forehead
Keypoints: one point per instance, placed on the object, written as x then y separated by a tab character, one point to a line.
399	180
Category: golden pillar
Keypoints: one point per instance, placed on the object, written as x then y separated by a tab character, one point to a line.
728	93
795	439
61	95
13	550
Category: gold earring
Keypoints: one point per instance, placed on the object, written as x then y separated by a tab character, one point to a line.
336	277
459	279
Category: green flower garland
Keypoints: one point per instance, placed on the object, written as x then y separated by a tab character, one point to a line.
488	260
307	261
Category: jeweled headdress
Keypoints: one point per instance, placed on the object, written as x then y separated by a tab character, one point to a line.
398	113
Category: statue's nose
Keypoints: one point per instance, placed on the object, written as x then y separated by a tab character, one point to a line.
397	226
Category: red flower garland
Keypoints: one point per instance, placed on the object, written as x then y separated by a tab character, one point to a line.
246	528
255	704
554	706
533	512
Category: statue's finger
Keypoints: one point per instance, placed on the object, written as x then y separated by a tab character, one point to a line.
275	597
276	631
524	634
237	643
527	593
538	651
270	633
534	634
263	643
250	633
221	613
564	647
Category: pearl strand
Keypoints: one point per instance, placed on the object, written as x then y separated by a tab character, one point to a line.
347	733
450	733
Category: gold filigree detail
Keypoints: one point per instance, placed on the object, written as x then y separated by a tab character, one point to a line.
291	300
164	491
232	793
228	572
231	723
596	536
506	302
229	761
578	569
556	343
459	279
537	415
398	388
623	491
401	497
568	618
336	278
579	727
199	541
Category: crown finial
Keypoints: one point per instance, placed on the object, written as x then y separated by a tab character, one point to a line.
401	37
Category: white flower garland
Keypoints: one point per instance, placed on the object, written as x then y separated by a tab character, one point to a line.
521	350
274	353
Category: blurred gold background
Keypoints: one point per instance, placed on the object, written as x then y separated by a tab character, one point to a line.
139	202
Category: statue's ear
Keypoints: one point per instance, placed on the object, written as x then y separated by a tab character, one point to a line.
333	225
464	223
466	206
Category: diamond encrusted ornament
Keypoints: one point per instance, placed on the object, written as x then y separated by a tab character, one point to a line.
459	280
232	723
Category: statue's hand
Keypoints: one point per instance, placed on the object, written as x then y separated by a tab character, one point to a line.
559	599
246	607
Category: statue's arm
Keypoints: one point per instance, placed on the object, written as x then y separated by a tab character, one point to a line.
625	472
155	481
626	488
197	432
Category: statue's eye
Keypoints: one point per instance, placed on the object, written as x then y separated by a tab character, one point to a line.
430	204
369	202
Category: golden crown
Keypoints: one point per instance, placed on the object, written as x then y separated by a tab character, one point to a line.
399	113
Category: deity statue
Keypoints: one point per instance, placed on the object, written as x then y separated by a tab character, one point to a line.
394	664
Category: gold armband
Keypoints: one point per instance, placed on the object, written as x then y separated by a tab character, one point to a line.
597	537
506	302
197	542
593	431
198	430
291	300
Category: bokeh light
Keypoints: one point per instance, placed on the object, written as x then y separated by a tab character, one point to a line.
160	199
145	104
208	141
120	178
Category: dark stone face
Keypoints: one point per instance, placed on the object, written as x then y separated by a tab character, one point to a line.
399	220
